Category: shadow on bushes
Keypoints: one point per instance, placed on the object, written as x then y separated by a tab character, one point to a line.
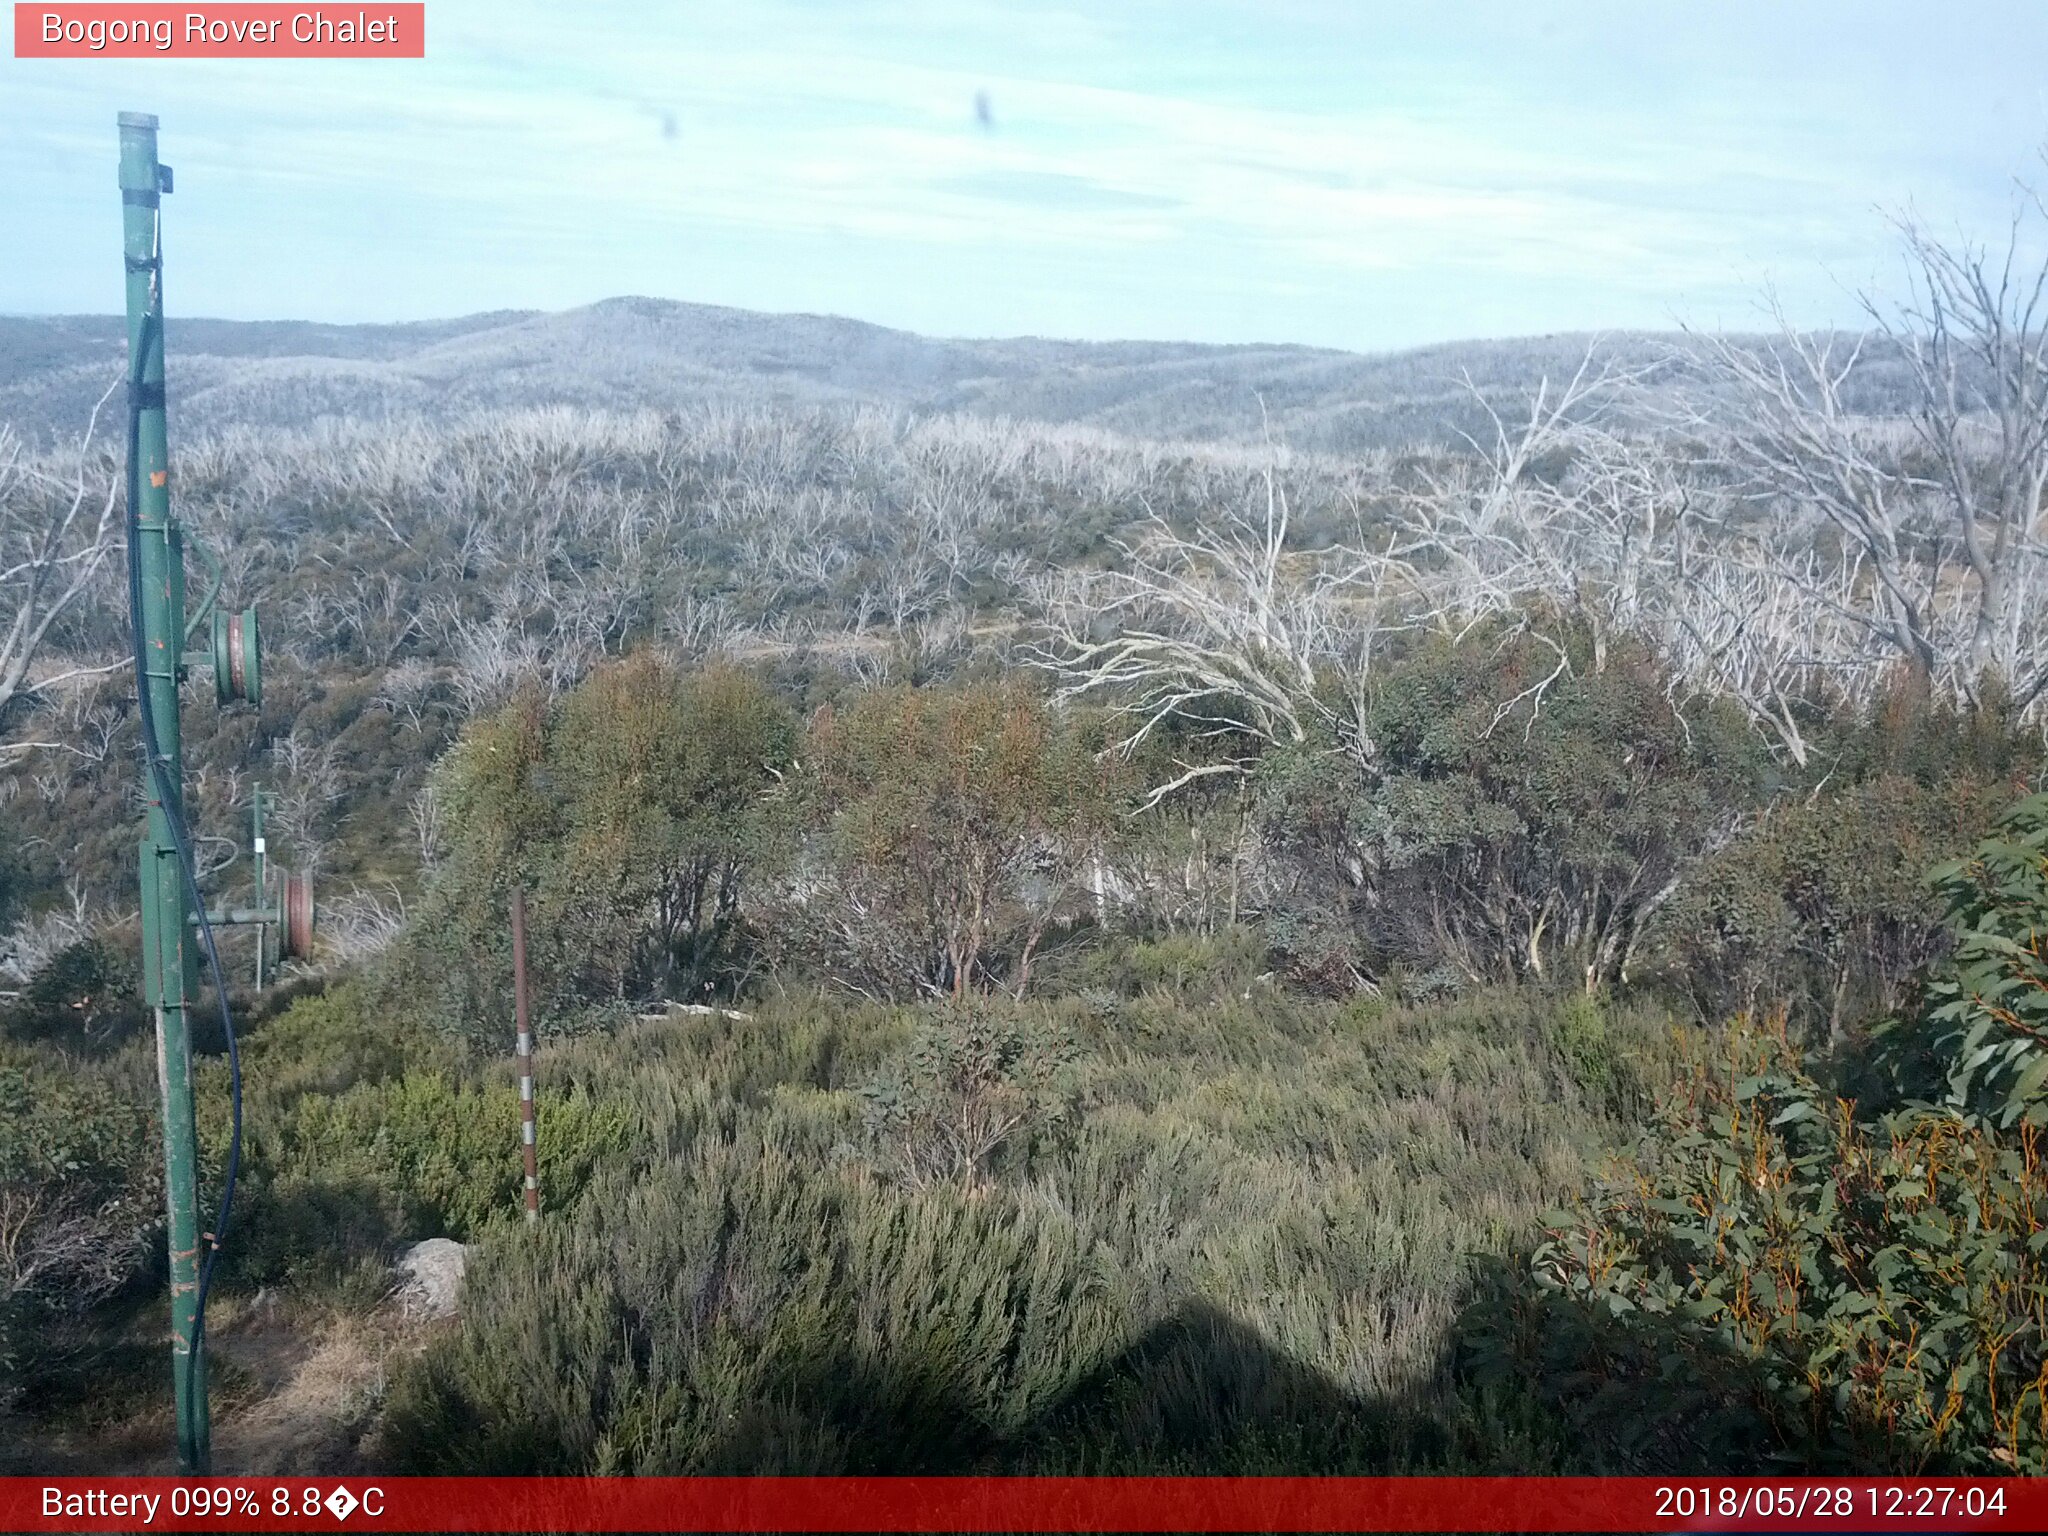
1531	1382
86	999
1197	1392
1628	1393
301	1232
1204	1392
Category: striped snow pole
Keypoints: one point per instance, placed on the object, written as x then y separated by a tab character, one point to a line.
528	1150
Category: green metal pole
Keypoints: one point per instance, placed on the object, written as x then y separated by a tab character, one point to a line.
169	950
260	852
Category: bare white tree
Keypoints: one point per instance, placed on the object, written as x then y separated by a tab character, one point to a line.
429	826
56	533
1732	623
381	612
1231	631
309	781
1975	333
409	689
1225	628
38	941
1801	449
698	626
360	922
1937	510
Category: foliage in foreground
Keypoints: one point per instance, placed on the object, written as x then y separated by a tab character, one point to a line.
1241	1249
1161	1212
1867	1281
362	1130
80	1196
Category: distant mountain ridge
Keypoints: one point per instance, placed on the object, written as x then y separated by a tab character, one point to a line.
627	353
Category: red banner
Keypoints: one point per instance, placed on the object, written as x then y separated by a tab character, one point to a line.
244	31
757	1504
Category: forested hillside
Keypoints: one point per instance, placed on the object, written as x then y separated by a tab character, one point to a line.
628	353
1094	907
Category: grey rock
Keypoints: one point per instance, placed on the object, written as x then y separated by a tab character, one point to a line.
430	1277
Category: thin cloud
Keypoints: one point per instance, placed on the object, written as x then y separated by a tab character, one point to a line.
1209	168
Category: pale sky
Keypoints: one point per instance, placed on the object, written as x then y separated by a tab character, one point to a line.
1361	175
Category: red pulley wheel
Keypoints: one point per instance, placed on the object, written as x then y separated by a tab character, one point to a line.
297	939
238	682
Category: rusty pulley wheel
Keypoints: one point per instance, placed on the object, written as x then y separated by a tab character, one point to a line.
295	940
237	657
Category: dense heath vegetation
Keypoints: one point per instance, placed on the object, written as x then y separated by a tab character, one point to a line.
1063	951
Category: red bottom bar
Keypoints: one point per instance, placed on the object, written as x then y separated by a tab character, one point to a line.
759	1504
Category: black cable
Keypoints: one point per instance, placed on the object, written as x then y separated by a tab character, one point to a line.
174	813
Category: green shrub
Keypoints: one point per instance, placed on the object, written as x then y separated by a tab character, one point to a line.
959	826
308	1232
443	1153
633	811
80	1195
1821	905
1588	1049
666	784
1190	965
362	1130
330	1042
1867	1280
1242	1252
971	1084
1988	1009
88	995
1500	828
